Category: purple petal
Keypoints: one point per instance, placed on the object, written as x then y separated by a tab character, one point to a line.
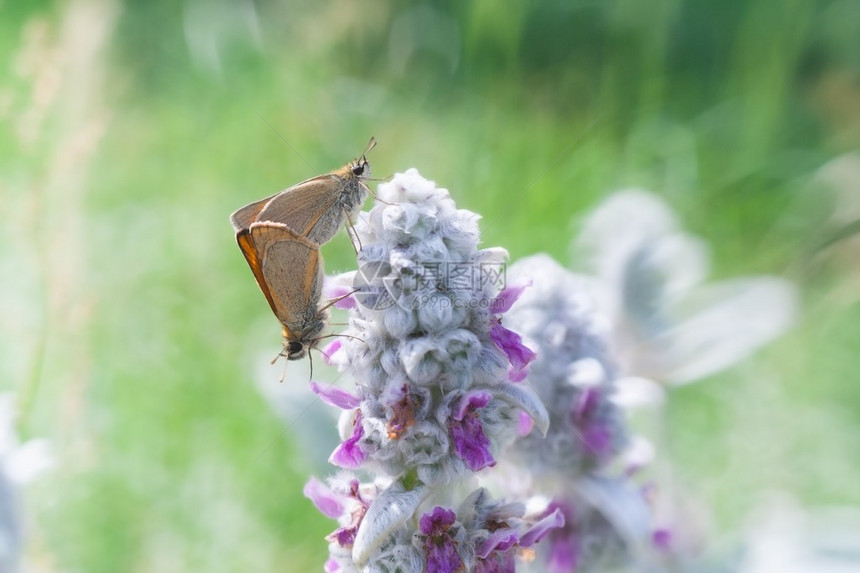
507	297
334	289
329	350
587	403
470	443
537	531
471	401
325	500
662	539
442	556
512	345
345	536
598	440
334	396
497	563
525	424
348	454
564	554
437	521
517	375
344	299
402	416
499	540
331	566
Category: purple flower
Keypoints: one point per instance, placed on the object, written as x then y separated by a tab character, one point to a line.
345	536
348	454
662	539
564	553
348	507
512	345
439	547
565	550
470	443
554	519
525	425
507	297
334	396
497	563
596	434
509	341
402	416
328	502
496	554
499	541
329	350
339	291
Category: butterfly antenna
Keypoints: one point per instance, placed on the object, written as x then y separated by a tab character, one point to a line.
284	373
311	360
370	145
278	355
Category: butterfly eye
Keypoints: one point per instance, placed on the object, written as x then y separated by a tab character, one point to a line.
294	348
361	169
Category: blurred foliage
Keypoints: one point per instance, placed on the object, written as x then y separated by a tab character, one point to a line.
139	329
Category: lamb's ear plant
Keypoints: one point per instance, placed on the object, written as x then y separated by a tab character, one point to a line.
437	397
611	341
577	468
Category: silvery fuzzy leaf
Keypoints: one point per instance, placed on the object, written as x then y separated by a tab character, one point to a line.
790	540
657	271
390	510
622	503
668	325
345	423
717	326
524	398
619	226
492	255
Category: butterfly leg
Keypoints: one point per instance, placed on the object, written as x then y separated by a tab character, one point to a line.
353	235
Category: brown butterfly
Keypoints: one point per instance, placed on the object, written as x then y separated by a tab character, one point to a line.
315	208
288	269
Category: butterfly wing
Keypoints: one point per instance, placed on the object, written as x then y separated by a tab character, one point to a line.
311	208
254	258
243	218
294	205
292	270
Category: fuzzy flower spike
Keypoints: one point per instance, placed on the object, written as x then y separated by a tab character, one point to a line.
576	466
425	347
434	401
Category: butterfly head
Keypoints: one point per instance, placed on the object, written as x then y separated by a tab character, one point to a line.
360	168
295	350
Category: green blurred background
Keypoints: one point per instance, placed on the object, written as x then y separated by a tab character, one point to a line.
132	330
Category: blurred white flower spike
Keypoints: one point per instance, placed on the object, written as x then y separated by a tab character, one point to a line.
668	325
19	464
578	469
